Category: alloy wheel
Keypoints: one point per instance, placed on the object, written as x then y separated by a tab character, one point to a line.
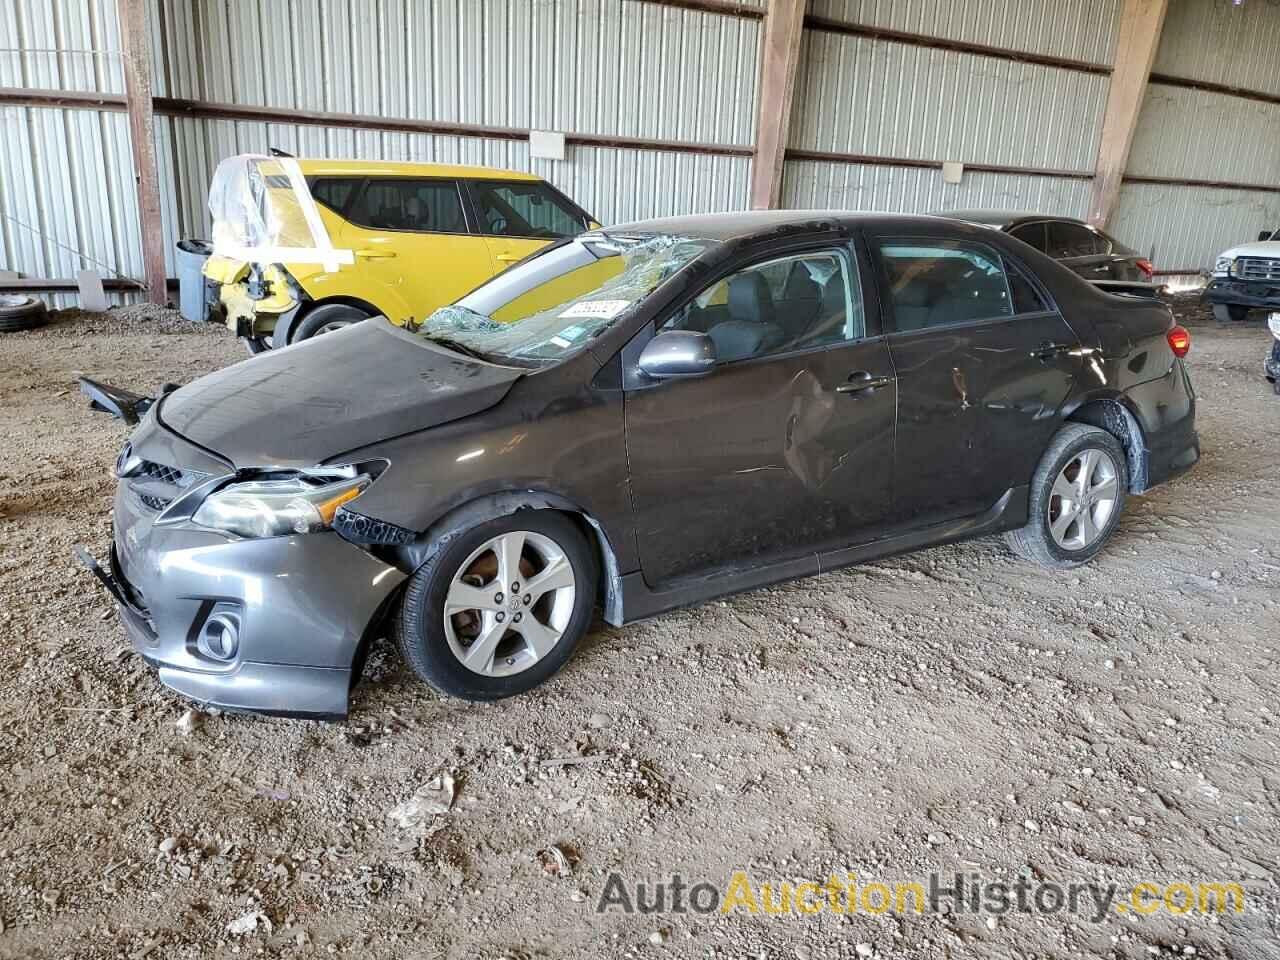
509	603
1083	499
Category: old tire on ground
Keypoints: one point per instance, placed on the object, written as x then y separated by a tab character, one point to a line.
1077	496
1230	312
326	319
501	607
18	312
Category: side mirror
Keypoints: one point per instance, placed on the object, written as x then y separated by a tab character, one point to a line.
678	353
1264	235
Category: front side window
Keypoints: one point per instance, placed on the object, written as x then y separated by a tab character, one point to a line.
1068	240
936	283
417	206
554	304
334	192
785	304
520	208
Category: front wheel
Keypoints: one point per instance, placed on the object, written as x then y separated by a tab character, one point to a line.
1077	496
326	319
501	607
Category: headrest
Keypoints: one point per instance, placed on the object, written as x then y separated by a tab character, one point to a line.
749	298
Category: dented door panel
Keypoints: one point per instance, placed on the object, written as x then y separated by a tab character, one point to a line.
760	460
977	404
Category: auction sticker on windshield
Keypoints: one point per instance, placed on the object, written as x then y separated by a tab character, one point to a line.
597	308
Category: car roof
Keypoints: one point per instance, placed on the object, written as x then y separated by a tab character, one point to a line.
396	168
735	226
1002	218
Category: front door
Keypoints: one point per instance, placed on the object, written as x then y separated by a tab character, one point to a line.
984	362
786	447
521	217
413	252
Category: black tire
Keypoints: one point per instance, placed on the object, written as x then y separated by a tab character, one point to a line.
1036	541
419	628
329	315
1230	312
21	313
1275	387
256	345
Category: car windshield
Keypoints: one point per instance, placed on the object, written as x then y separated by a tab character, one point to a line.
552	305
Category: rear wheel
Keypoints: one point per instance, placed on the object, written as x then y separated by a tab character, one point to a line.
501	608
326	319
1077	496
1230	313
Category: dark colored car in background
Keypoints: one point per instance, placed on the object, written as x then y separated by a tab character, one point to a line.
1081	248
669	411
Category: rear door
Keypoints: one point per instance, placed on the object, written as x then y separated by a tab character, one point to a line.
984	362
518	217
414	250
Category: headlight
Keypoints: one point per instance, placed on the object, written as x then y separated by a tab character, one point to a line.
1273	322
273	508
1223	266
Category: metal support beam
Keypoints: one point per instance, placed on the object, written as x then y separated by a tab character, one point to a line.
136	57
783	25
1140	24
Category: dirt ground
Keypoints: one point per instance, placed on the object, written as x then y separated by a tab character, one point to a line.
952	710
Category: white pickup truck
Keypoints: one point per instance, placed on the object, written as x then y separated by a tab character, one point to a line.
1246	278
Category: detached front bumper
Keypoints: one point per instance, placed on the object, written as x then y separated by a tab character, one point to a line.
270	625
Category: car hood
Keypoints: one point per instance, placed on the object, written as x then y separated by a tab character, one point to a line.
1262	248
311	401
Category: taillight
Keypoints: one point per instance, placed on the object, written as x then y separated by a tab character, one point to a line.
1148	268
1179	341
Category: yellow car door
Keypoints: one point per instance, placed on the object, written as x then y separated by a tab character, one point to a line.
413	250
520	216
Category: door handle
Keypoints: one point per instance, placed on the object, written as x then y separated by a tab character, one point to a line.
1048	350
375	254
507	257
863	382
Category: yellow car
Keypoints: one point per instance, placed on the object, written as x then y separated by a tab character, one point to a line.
407	238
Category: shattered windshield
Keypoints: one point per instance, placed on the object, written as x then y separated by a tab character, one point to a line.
552	305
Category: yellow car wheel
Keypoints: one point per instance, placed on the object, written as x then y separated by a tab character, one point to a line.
326	319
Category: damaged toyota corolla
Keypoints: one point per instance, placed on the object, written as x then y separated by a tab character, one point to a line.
638	418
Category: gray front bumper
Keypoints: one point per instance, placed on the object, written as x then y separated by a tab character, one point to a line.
304	604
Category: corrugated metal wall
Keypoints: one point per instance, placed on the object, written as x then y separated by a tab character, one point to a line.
890	99
632	69
1074	29
869	96
1194	134
67	198
608	67
1237	45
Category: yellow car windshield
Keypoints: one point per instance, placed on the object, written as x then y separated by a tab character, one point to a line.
555	303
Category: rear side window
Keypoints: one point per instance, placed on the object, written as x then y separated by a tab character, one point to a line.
1072	240
1026	298
334	192
1031	234
524	209
938	283
419	206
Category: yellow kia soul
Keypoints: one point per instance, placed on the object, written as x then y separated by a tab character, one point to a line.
405	239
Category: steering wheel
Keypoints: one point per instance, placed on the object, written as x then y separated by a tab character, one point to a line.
498	224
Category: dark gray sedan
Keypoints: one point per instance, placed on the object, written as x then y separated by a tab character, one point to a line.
1096	256
635	419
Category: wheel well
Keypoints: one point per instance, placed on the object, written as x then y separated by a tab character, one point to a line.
1115	418
413	555
368	309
